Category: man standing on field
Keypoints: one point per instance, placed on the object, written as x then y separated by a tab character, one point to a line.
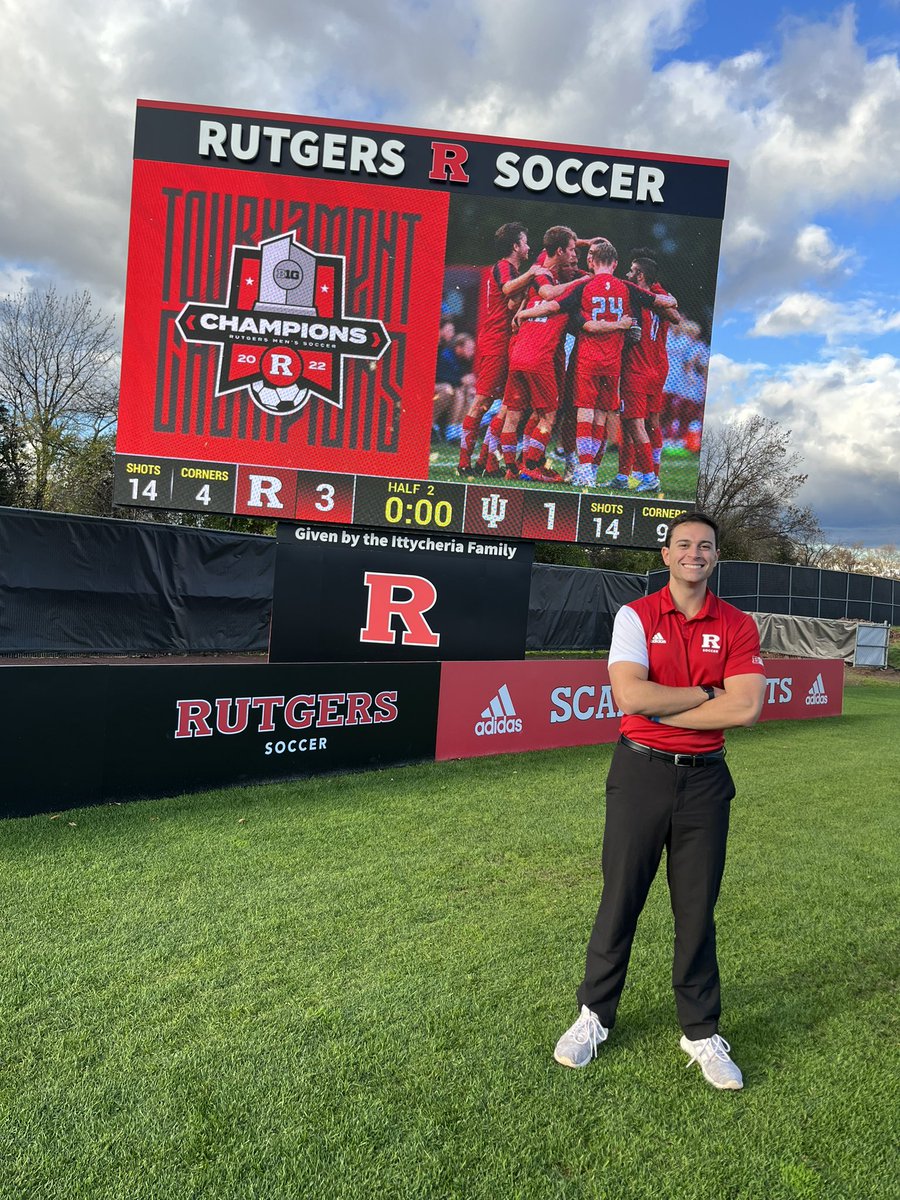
684	666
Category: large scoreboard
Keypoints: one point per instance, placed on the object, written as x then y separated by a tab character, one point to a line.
396	328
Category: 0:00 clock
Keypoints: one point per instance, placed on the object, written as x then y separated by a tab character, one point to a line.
421	512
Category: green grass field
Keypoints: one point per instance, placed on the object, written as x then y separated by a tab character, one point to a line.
351	987
677	471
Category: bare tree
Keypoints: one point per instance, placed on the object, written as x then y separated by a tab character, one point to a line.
57	382
12	464
748	479
862	560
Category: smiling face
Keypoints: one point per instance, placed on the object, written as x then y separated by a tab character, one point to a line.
691	555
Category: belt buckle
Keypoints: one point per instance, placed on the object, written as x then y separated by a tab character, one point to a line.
685	760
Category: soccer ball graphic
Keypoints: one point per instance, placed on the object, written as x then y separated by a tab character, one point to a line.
279	402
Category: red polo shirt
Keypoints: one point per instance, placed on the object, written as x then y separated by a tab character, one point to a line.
719	642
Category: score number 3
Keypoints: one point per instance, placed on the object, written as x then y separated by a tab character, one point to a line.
325	503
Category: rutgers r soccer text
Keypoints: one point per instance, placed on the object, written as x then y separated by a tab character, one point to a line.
359	155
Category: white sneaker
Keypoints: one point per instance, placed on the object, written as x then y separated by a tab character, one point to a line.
712	1055
580	1043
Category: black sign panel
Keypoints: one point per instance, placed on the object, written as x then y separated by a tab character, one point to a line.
311	147
346	594
123	732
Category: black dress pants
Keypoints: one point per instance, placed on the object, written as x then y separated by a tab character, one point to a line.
652	804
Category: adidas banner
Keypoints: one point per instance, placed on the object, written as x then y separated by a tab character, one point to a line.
353	594
798	688
507	707
130	731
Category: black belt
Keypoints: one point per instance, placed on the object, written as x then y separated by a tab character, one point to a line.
680	760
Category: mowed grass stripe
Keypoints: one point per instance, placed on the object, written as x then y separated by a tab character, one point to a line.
351	987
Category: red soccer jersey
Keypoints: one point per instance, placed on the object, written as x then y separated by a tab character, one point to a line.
719	642
494	316
539	339
604	298
646	363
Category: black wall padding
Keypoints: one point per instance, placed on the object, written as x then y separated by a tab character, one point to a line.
801	591
94	585
572	608
88	585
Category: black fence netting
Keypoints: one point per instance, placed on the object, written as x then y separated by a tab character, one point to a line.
802	591
572	608
91	585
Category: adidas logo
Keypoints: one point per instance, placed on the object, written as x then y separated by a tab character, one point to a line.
499	716
658	640
817	693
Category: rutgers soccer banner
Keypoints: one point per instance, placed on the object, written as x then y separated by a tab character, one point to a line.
126	731
319	316
504	708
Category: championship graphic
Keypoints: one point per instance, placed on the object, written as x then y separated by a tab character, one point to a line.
283	333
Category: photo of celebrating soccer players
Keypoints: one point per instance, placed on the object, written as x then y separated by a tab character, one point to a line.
573	353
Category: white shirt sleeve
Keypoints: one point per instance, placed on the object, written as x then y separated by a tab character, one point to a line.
629	642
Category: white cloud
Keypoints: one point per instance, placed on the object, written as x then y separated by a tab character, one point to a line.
809	128
844	414
811	313
728	375
814	247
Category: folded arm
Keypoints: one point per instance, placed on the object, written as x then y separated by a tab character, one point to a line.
739	702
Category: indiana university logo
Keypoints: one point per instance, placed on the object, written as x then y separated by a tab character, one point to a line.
283	333
493	510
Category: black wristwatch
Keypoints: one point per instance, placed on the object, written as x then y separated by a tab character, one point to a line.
710	691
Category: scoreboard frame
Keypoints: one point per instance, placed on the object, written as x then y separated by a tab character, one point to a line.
286	279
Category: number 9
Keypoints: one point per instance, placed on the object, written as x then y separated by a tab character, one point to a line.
662	532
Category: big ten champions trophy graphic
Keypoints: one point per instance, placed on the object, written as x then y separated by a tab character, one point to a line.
283	332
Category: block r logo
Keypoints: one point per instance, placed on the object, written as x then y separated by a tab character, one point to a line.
387	600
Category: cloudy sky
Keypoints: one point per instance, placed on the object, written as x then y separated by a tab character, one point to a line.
802	97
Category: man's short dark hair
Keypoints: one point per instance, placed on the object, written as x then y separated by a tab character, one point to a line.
507	237
698	518
558	237
643	259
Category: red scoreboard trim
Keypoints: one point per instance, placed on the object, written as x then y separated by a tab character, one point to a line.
413	131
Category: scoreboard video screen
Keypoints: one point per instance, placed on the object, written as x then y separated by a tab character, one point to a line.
414	330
